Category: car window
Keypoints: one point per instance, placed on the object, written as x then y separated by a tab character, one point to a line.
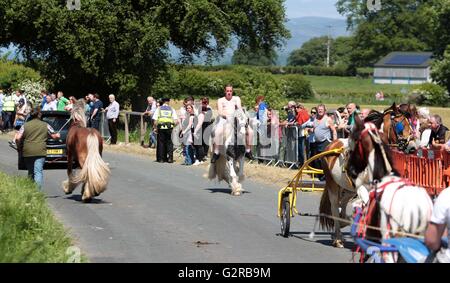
57	122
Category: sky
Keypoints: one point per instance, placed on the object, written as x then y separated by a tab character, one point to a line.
316	8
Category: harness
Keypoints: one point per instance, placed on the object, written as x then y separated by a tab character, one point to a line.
398	127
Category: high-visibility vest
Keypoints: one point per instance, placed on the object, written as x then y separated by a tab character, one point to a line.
165	119
9	105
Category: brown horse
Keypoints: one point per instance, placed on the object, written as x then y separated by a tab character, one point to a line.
85	146
395	124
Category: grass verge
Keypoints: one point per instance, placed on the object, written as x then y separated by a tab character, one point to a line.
28	230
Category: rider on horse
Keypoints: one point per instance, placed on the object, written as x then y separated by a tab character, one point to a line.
226	106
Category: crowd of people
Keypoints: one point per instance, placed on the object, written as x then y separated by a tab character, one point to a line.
316	128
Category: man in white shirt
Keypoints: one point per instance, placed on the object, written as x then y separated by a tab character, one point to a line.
50	105
440	220
226	106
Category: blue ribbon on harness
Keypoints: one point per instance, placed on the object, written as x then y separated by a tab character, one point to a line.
399	128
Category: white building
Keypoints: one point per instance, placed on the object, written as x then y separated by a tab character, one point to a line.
403	68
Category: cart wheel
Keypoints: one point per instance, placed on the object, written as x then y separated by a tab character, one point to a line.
285	216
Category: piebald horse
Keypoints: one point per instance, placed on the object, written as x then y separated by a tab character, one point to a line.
339	190
230	165
85	146
398	206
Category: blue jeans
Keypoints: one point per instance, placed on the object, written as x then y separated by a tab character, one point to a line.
35	166
189	154
301	151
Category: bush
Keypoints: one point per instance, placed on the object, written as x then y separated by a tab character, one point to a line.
429	94
297	87
12	74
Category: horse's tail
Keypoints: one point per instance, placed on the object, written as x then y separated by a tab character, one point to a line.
325	203
95	170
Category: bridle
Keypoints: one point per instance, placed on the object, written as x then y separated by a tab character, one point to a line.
401	141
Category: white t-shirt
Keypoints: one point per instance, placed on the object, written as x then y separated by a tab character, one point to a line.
51	106
441	211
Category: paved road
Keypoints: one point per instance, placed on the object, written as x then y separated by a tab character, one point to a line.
155	212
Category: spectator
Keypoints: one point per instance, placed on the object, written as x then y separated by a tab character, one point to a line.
34	134
72	101
61	101
96	115
273	132
351	109
439	222
324	132
197	136
341	127
43	97
22	112
149	111
187	129
19	96
87	108
112	114
438	131
9	112
261	113
302	117
447	146
165	118
364	113
206	125
310	141
50	105
424	126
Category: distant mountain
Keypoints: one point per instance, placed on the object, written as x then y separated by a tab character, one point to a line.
302	29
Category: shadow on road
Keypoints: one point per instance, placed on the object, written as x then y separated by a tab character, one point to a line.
319	237
93	201
223	191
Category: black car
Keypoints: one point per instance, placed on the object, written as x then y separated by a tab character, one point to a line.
56	149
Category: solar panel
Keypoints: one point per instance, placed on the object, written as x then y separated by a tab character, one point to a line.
407	60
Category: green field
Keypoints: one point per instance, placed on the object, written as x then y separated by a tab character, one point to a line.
28	230
326	84
358	90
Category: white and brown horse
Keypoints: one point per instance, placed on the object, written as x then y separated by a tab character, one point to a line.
398	206
85	145
230	165
339	190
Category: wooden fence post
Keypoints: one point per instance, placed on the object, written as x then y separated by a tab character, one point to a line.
127	135
142	134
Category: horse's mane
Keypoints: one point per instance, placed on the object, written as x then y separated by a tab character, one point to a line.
78	114
375	117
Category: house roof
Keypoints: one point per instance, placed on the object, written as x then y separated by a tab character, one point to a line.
405	59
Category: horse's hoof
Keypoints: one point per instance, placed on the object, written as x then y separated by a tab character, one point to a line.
338	244
86	200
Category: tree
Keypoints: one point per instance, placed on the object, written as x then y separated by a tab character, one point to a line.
441	70
121	46
314	52
251	57
400	25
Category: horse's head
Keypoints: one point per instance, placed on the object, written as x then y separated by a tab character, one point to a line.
240	121
368	148
77	114
397	125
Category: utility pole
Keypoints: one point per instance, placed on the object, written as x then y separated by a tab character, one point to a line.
328	45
